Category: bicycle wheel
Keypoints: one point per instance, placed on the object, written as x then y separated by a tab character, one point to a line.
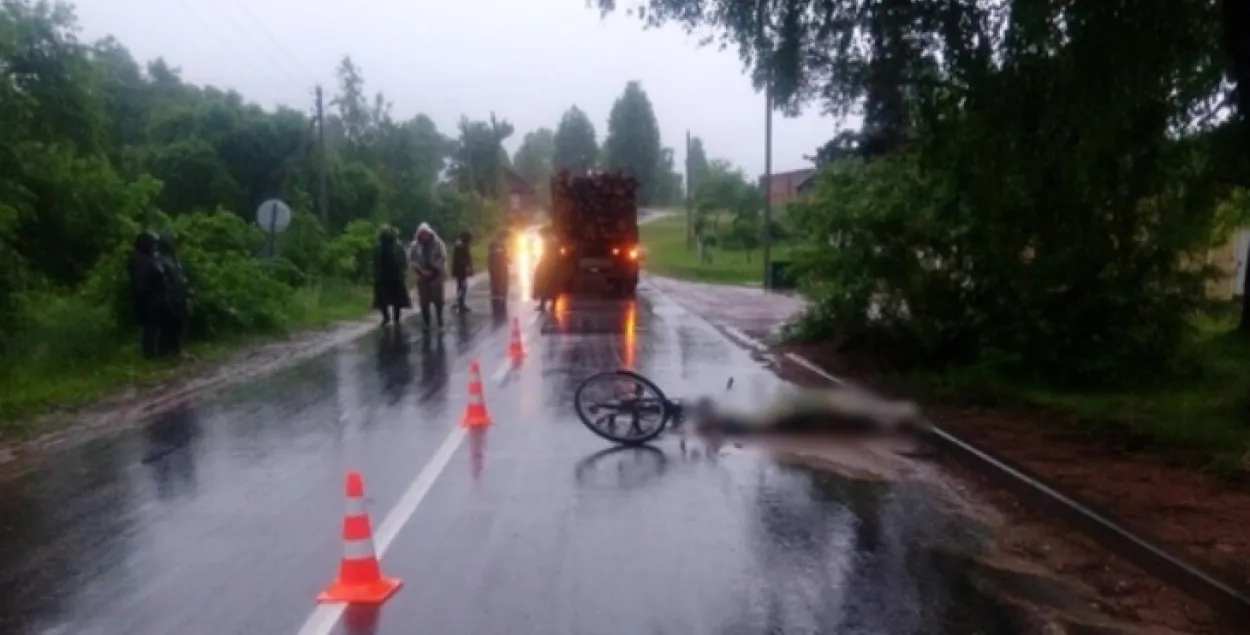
622	407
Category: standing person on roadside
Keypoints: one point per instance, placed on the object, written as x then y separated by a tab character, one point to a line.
462	269
148	293
546	274
497	268
427	255
390	291
174	325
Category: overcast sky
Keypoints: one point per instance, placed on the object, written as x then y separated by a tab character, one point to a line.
528	60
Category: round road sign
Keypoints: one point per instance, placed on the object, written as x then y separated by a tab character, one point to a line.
273	215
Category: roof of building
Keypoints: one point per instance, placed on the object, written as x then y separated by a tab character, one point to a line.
803	173
517	184
808	182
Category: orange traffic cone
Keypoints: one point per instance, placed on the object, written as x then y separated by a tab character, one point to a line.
516	350
475	412
360	578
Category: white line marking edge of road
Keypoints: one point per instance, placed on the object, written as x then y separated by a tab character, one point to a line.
325	617
750	342
729	332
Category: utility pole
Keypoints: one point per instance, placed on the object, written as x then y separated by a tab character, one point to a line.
689	198
323	197
768	178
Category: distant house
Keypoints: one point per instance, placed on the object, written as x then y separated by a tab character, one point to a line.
784	187
808	184
521	194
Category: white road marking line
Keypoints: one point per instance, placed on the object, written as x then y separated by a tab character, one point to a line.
407	505
724	330
802	361
502	371
751	342
326	616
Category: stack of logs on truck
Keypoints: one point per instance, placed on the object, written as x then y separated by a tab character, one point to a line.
594	218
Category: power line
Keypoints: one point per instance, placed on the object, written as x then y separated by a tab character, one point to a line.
248	16
251	41
198	16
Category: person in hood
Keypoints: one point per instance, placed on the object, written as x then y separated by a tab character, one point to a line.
427	255
149	293
174	323
497	268
462	269
390	289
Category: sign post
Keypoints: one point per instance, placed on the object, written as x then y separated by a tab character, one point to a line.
274	217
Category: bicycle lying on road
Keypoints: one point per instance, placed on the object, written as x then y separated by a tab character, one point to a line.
627	408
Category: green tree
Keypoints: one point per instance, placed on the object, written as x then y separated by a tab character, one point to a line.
128	98
194	176
96	146
480	159
408	159
1023	192
352	104
724	187
669	186
535	158
575	146
633	143
355	194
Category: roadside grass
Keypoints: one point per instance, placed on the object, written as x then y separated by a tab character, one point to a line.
1205	415
665	254
82	362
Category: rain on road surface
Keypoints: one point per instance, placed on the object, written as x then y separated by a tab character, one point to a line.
225	516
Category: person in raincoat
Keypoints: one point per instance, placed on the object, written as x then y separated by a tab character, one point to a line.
174	324
149	293
497	268
427	255
390	290
462	269
546	274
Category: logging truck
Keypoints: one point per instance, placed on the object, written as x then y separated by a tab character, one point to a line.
594	220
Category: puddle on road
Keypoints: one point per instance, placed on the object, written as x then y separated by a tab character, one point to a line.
914	552
950	552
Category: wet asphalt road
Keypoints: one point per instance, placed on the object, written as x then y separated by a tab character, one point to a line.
225	516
